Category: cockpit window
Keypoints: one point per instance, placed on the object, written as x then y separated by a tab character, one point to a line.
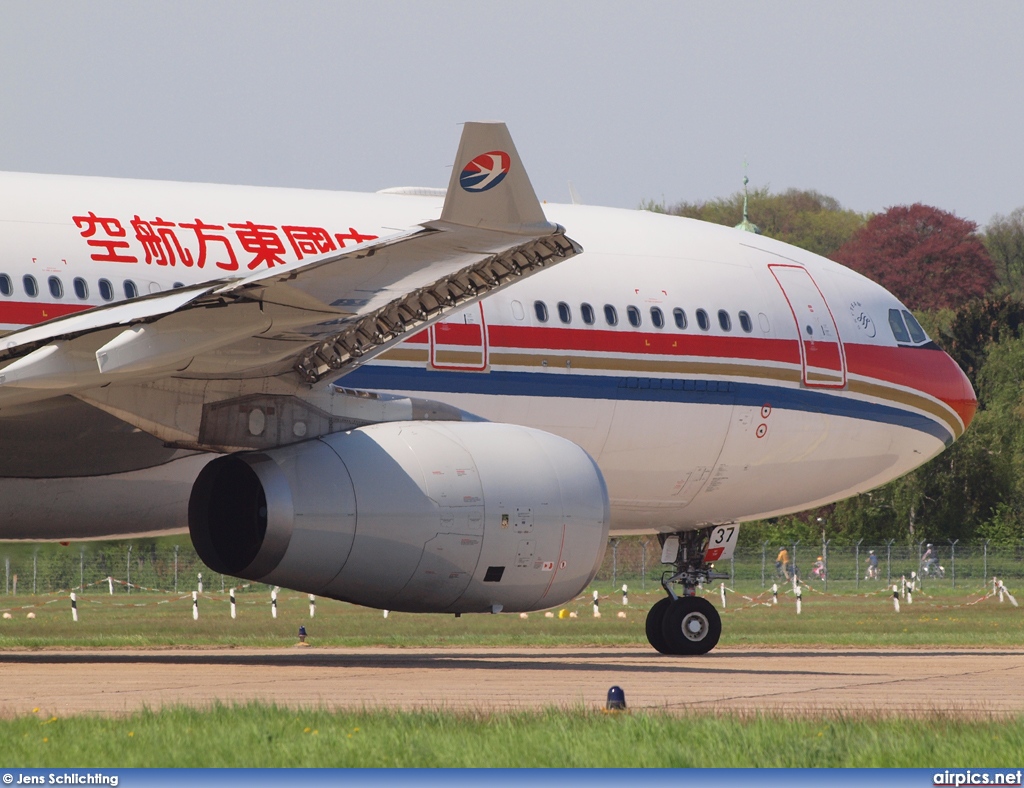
899	328
916	332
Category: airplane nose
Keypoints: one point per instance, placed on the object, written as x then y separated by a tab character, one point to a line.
959	393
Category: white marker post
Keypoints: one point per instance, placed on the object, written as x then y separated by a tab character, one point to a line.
74	607
110	583
775	593
999	588
195	605
896	598
597	613
200	582
231	595
903	586
625	595
910	588
722	589
799	599
273	603
312	606
386	613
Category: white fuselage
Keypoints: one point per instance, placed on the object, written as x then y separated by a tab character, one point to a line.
713	374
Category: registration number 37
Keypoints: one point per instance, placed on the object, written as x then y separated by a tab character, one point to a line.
722	543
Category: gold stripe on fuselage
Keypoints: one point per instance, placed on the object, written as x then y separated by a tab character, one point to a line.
791	375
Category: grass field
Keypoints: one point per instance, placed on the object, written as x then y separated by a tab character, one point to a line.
152	620
257	735
265	736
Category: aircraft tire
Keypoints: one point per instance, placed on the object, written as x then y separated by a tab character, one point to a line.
655	622
691	626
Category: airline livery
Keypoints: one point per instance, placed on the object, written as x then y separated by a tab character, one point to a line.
439	400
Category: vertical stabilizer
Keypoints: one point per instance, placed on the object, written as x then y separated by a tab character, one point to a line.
489	187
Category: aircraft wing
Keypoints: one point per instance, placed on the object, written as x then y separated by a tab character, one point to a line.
316	319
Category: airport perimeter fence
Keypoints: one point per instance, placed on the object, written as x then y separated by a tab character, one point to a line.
157	565
636	562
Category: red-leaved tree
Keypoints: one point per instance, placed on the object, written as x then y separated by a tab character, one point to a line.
926	257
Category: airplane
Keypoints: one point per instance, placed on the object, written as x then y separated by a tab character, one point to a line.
439	400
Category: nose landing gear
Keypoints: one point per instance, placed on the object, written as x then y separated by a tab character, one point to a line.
687	624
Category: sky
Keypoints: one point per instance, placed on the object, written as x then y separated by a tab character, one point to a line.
873	103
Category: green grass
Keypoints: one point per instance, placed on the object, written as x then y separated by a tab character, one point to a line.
265	736
256	735
153	620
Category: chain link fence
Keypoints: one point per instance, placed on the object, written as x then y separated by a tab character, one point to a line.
636	561
130	567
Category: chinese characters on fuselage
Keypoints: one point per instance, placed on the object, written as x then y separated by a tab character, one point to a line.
196	243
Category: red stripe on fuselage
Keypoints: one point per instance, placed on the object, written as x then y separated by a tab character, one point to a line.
927	370
28	313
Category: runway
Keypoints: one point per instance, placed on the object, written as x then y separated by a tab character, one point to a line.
983	682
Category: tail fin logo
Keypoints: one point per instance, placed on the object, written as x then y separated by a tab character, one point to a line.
485	171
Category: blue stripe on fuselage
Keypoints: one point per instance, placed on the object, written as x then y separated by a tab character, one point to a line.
636	389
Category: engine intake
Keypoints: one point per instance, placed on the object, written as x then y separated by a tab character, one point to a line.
414	516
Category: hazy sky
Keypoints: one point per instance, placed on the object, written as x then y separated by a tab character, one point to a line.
874	103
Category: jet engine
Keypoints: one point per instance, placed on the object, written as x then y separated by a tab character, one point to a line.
454	517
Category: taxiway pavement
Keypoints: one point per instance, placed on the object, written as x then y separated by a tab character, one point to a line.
797	681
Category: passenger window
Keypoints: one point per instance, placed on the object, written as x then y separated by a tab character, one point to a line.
56	287
611	317
81	288
106	290
517	310
702	320
31	287
587	313
899	329
564	313
130	289
724	320
746	323
657	317
916	332
541	310
634	316
6	286
680	317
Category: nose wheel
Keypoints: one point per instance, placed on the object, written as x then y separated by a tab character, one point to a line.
686	626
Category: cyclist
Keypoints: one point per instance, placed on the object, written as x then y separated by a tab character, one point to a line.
929	560
872	562
782	563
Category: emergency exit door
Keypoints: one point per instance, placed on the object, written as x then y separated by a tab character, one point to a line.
460	342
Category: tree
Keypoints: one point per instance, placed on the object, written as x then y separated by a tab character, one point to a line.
978	325
927	257
804	218
1004	240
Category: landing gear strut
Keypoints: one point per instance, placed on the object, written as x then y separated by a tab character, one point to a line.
686	624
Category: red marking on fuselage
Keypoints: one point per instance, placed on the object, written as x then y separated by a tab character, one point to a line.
28	313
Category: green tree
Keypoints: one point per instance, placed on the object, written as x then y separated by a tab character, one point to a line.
1004	239
804	218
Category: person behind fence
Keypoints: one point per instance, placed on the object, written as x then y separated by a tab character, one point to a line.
872	562
929	560
818	569
782	563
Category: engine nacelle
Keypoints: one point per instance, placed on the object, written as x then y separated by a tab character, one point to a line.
416	516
